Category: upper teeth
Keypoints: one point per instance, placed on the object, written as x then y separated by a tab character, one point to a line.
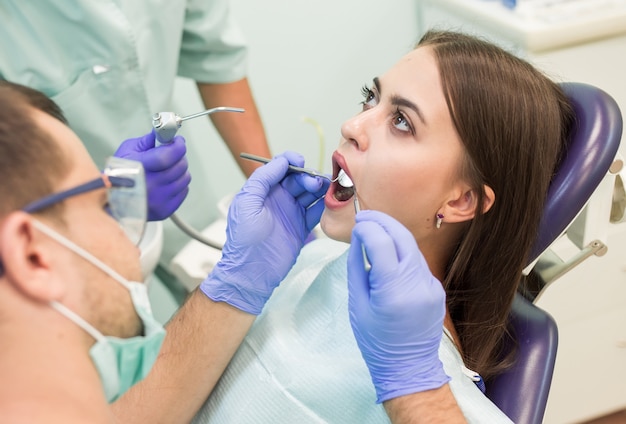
344	180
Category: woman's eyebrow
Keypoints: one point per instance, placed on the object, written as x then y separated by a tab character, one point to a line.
401	101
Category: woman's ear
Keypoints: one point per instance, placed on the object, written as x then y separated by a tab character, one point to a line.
463	206
26	256
489	198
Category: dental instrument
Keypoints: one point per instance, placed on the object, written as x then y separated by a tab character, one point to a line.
342	178
293	168
345	181
166	124
357	209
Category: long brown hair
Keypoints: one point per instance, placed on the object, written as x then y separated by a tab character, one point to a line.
513	122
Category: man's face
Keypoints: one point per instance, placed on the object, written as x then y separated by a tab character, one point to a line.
103	302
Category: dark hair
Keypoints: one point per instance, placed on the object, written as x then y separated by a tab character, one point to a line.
513	122
31	163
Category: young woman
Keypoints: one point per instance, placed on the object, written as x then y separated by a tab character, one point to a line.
450	160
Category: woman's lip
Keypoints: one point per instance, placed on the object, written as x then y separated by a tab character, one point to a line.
339	162
330	201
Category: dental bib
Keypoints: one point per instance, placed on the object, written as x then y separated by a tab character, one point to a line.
300	362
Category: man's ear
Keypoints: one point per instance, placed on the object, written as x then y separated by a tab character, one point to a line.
464	205
27	258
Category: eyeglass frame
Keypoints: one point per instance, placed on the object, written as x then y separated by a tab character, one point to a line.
103	181
108	180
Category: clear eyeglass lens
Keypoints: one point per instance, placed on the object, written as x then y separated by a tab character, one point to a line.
128	200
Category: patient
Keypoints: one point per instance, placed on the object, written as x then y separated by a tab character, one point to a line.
451	158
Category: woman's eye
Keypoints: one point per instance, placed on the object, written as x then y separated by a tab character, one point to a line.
400	122
369	98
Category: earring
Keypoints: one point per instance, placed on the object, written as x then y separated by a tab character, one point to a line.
439	220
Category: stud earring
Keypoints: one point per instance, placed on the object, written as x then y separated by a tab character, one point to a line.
439	220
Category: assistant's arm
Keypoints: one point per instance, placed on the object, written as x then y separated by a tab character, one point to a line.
242	132
268	222
214	53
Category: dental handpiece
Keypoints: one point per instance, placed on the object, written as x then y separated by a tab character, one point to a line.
166	124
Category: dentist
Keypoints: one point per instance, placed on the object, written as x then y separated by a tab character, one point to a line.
76	324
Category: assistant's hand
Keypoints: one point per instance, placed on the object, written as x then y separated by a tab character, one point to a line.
268	222
396	310
167	176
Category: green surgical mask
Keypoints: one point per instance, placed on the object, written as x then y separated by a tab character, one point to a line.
121	362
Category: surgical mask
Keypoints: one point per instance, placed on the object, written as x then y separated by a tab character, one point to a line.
121	362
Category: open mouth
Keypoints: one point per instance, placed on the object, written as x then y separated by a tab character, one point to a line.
343	187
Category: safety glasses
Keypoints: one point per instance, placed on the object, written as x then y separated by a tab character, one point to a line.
127	198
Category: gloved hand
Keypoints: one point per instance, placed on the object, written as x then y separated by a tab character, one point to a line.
268	222
167	176
396	310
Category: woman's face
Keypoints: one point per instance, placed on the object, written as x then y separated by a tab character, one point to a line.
401	151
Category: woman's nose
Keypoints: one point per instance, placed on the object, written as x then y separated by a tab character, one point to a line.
356	129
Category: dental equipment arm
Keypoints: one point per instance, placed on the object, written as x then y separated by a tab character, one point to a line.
396	312
268	222
166	170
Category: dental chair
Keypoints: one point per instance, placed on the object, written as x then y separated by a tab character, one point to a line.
521	392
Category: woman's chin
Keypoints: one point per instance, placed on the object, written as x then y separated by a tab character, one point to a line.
336	229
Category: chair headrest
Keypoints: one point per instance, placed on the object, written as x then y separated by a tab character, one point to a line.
592	147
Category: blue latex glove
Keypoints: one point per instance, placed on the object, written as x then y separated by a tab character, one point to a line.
167	176
396	310
268	222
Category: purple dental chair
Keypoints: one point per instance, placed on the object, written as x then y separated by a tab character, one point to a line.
522	391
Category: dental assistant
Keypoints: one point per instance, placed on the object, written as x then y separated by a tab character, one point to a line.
111	65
